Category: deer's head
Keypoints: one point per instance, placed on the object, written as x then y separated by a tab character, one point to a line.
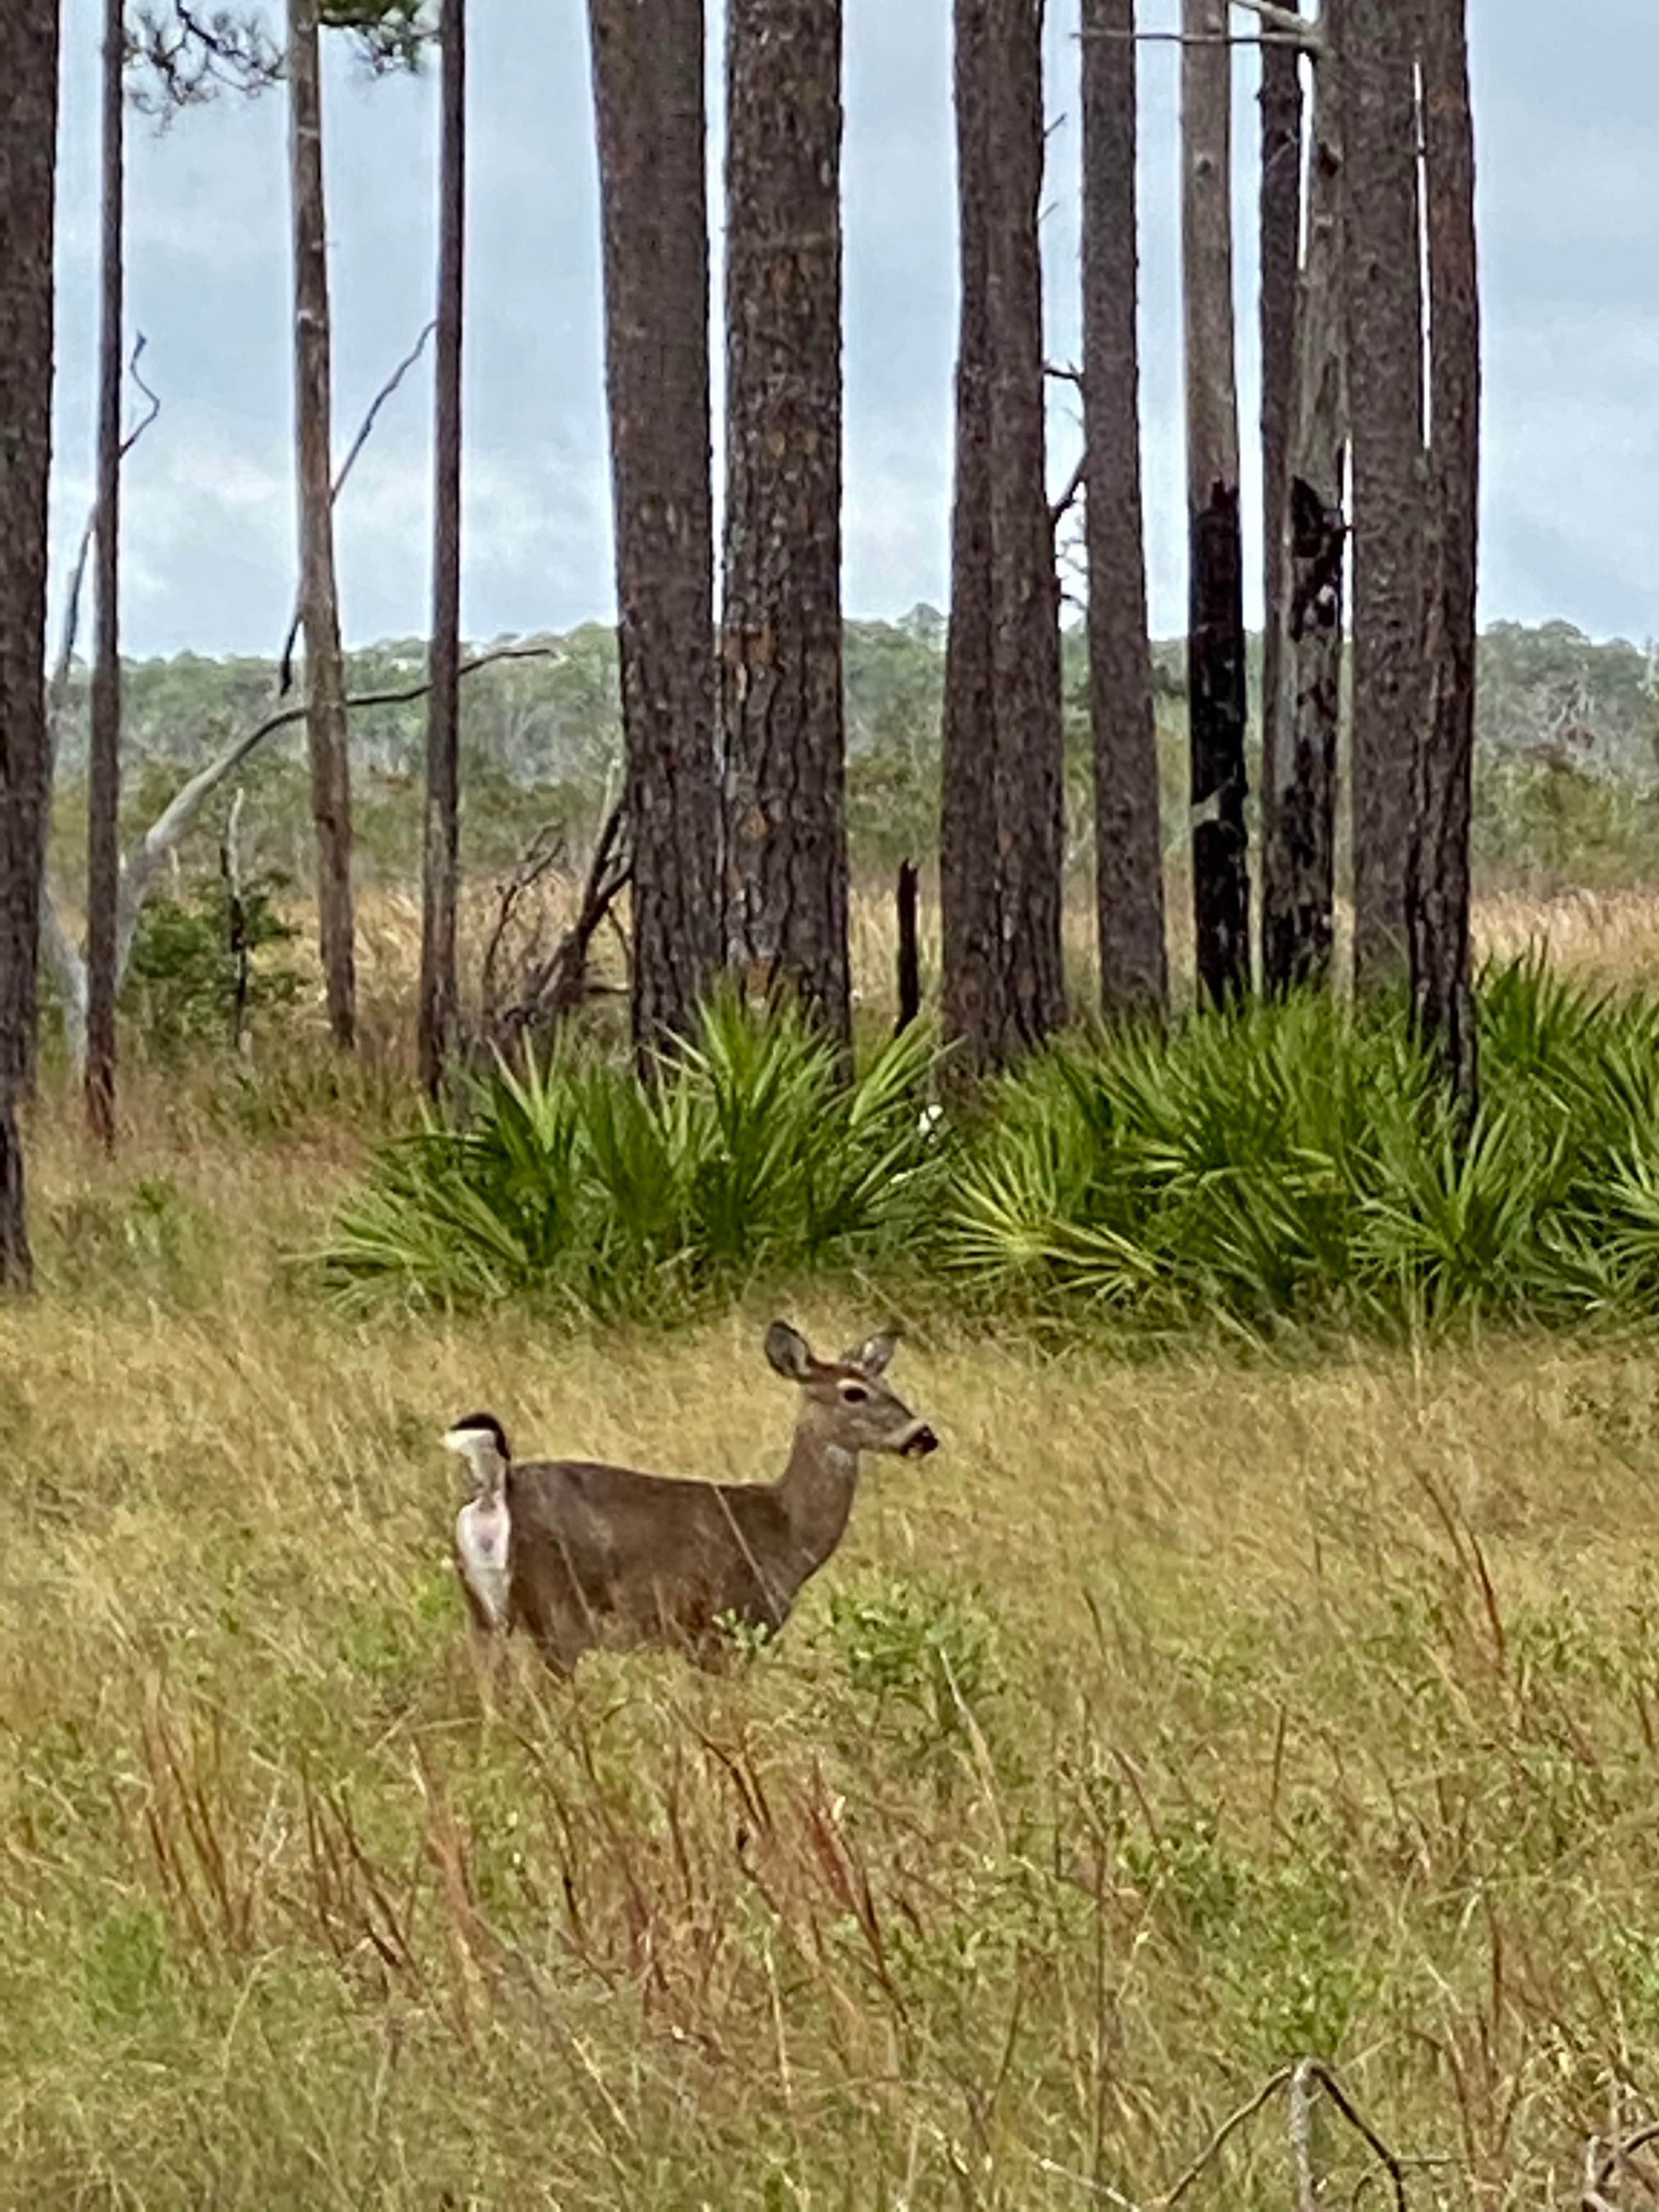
845	1400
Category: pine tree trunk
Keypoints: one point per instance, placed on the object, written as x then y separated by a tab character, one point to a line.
785	889
1280	261
1385	390
1128	836
28	145
104	759
1001	863
648	99
968	820
1215	646
1442	993
1305	619
320	606
439	1003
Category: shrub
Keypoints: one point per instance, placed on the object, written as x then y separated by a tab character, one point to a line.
750	1154
183	977
1299	1162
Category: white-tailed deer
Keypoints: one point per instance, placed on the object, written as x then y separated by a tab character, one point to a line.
584	1555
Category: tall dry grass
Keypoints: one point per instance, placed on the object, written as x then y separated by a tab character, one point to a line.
1175	1720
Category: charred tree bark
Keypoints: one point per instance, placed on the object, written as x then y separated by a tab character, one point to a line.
1129	835
1280	260
104	760
438	1008
1441	989
1305	619
28	146
1215	646
319	605
1383	285
1002	845
909	950
781	715
649	97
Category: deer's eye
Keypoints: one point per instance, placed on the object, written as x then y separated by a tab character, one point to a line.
855	1393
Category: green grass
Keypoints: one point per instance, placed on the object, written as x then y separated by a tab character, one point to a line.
1179	1718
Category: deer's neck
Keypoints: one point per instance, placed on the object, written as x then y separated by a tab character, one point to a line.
816	1490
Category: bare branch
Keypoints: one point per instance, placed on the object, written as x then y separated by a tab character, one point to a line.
1361	2126
285	671
1074	484
1064	372
1228	2127
58	689
1307	43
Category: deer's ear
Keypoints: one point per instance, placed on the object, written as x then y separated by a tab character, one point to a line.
872	1357
788	1352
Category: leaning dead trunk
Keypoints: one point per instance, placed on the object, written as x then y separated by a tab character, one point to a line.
648	99
1128	837
1439	912
1215	645
104	761
1385	390
785	890
1305	618
319	608
28	145
442	851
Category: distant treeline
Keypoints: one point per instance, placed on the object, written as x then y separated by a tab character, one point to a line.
1568	739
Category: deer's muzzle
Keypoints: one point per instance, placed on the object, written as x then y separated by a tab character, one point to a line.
919	1442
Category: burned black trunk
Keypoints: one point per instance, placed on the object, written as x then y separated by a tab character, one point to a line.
1280	261
1306	617
909	950
1215	649
1216	703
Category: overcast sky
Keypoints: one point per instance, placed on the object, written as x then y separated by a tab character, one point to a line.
1568	206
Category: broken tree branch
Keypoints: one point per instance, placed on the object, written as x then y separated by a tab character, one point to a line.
285	667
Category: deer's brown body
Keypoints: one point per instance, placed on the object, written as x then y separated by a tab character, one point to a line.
608	1556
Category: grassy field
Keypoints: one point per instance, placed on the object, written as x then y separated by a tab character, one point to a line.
1177	1720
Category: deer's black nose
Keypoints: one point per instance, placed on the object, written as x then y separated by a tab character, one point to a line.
920	1442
